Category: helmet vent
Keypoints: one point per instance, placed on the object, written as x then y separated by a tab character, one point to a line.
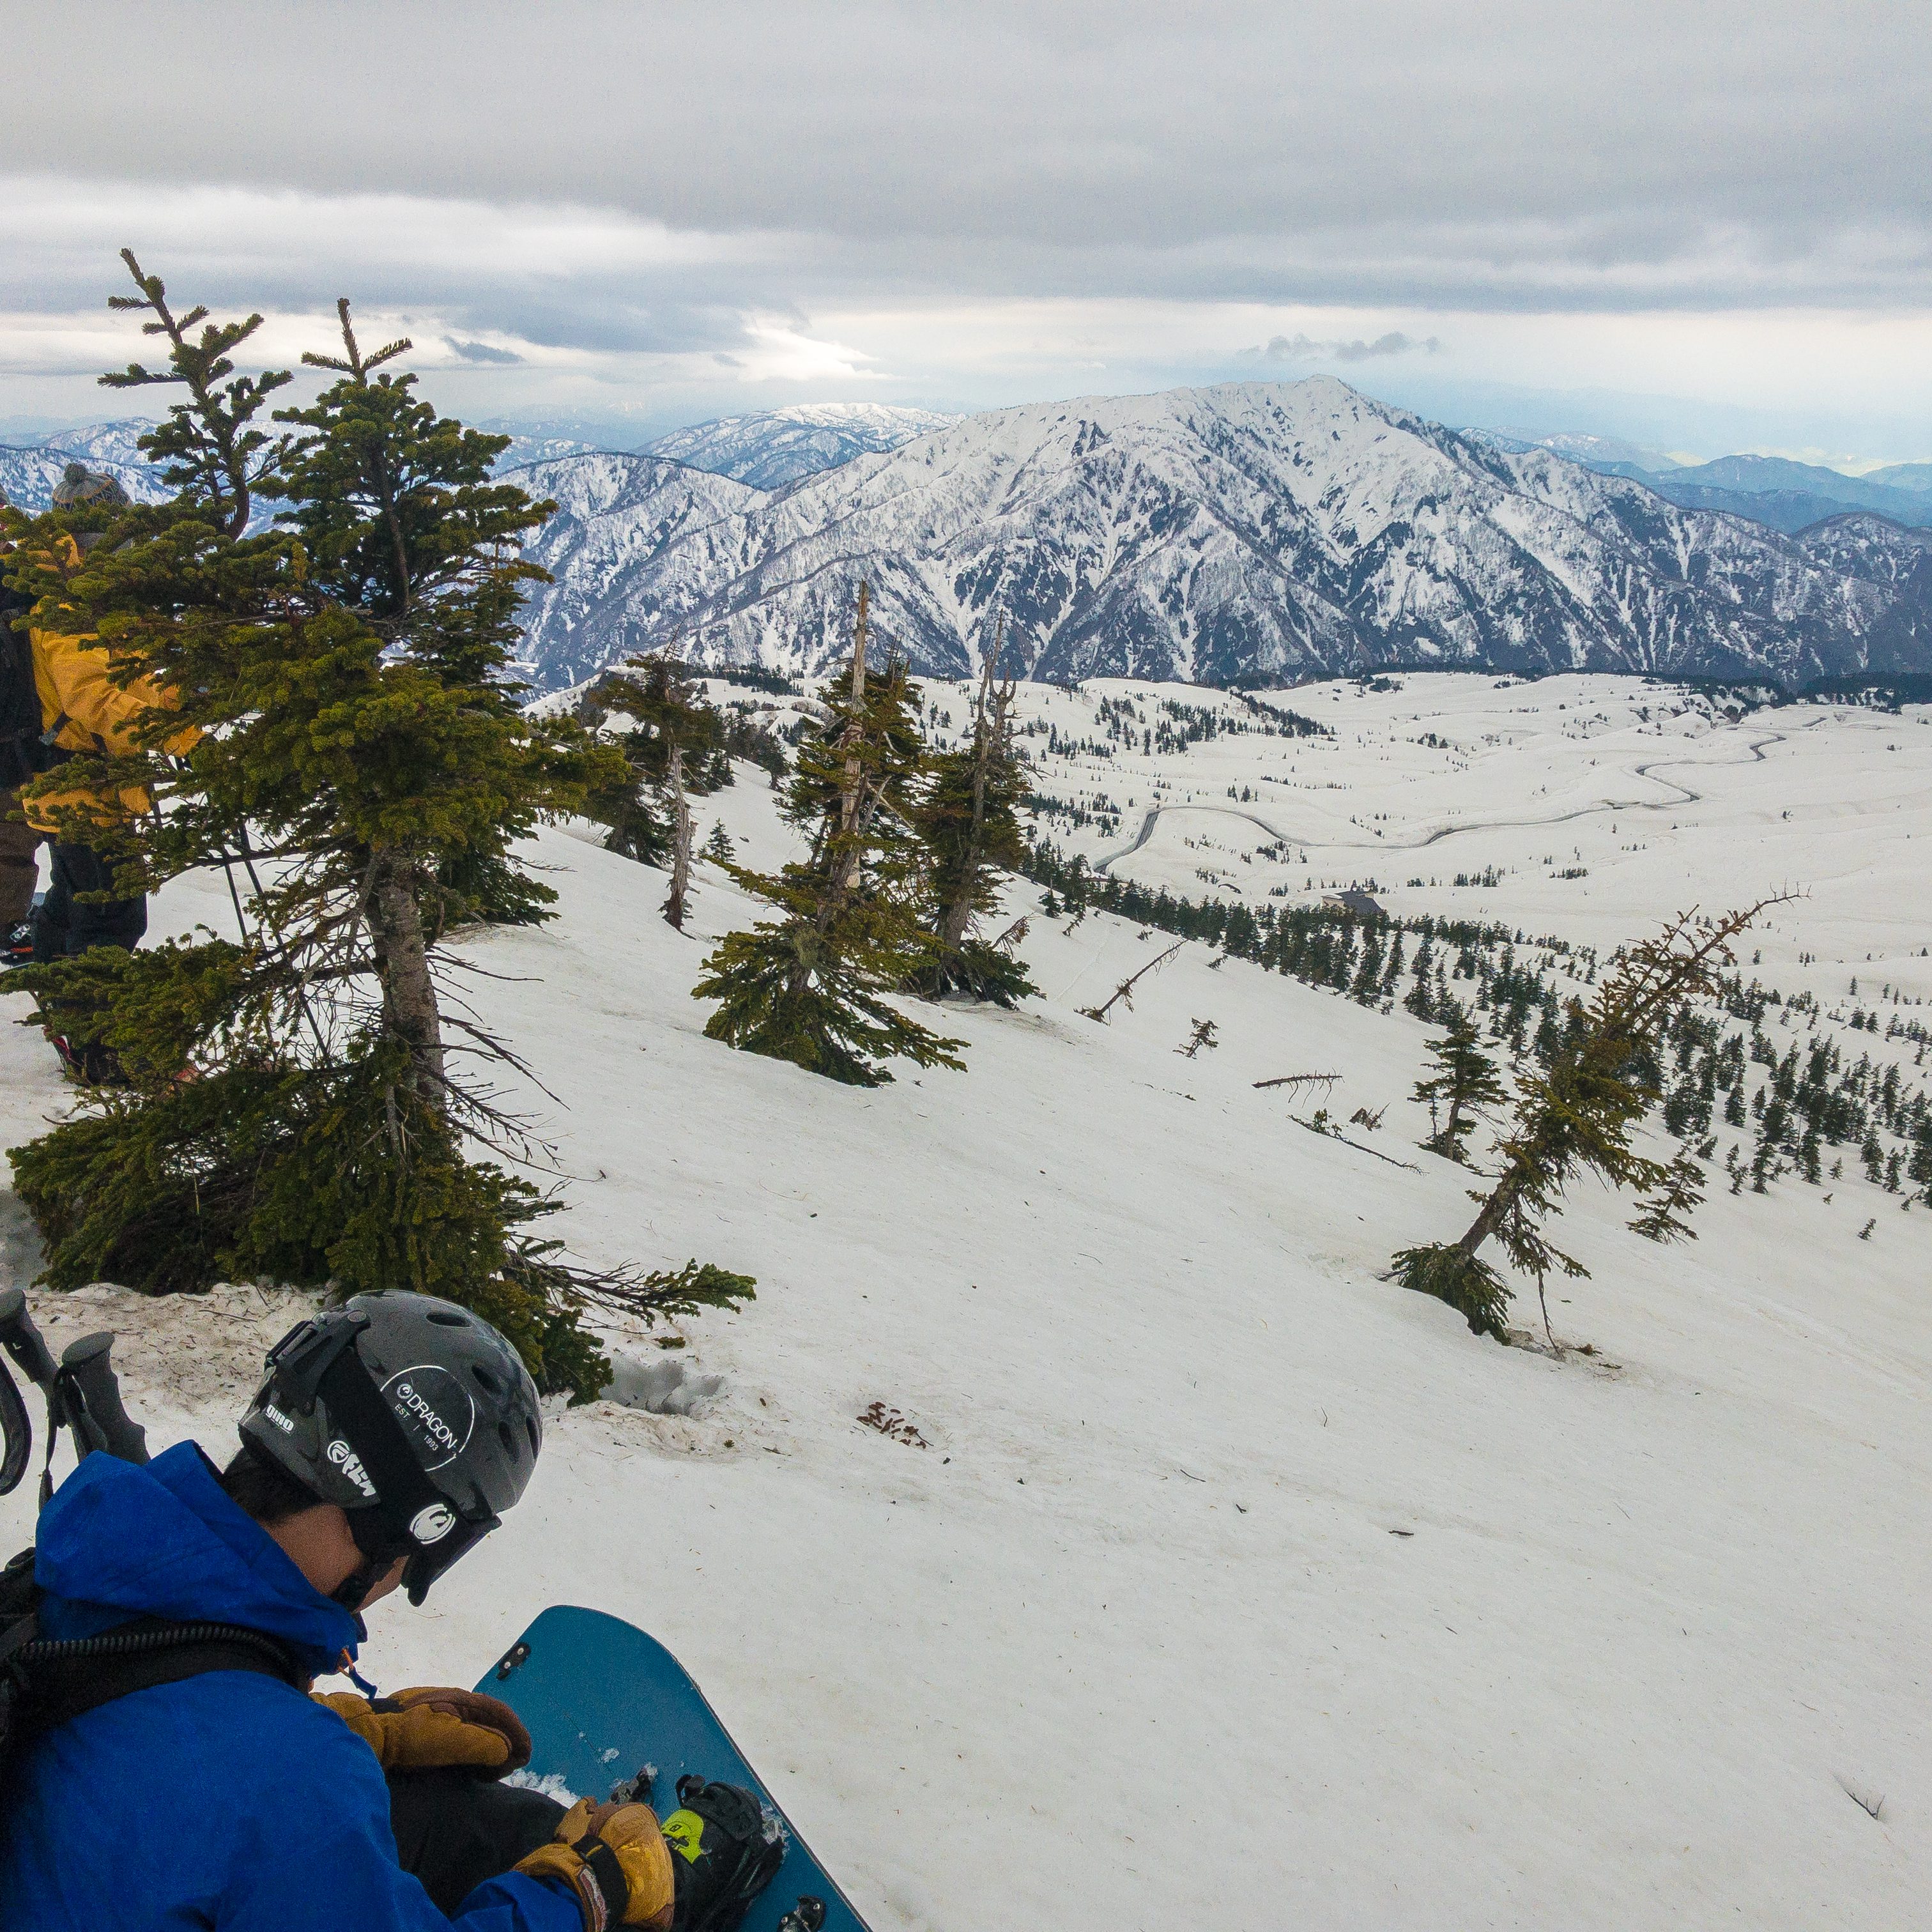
449	1318
490	1384
508	1441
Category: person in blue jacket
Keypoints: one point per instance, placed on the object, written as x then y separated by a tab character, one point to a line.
388	1438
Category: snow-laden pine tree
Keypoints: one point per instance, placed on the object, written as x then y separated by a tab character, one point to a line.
967	815
810	986
292	1109
1577	1114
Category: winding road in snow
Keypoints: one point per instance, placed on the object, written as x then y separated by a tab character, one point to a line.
1686	796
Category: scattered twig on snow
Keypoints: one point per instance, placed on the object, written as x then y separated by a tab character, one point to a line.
1328	1131
1301	1080
1870	1806
890	1422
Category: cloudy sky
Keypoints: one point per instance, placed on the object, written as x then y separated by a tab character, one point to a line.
1704	227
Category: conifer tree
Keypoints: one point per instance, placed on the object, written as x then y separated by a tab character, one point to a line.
969	819
1464	1084
402	520
293	1111
1578	1115
809	987
675	748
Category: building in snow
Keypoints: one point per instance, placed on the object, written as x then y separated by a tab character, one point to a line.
1362	904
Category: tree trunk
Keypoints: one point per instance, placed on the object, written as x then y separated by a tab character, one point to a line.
1493	1212
850	791
680	848
410	1009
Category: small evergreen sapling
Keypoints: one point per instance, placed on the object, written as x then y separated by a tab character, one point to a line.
1203	1034
1464	1084
810	986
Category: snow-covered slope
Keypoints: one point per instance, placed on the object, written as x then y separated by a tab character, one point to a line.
775	447
1254	530
1238	1588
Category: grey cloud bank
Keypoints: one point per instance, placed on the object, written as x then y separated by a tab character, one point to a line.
609	196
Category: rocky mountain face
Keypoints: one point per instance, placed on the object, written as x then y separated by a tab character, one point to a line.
615	515
777	447
1249	532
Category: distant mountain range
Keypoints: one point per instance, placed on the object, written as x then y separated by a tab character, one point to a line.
1788	496
1259	531
1250	532
777	447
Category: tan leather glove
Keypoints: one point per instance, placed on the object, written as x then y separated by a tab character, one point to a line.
615	1860
436	1729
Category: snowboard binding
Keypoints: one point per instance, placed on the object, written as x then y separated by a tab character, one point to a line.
726	1851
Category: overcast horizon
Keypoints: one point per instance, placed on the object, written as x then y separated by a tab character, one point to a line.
1635	225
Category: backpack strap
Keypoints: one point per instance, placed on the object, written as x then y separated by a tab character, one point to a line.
59	1681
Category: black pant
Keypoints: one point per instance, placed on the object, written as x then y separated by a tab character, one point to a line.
64	925
454	1829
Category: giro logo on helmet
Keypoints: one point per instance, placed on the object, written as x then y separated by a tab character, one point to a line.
346	1460
435	1410
432	1524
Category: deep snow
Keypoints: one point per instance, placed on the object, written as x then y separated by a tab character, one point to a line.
1237	1588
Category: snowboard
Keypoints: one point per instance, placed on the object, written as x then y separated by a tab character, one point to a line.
601	1700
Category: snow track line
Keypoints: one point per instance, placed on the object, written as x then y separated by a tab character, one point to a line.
1687	796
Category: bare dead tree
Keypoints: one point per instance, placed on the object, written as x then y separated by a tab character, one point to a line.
675	904
1125	990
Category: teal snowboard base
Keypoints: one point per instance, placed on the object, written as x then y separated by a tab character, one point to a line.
602	1700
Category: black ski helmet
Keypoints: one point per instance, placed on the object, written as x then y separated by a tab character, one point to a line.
412	1414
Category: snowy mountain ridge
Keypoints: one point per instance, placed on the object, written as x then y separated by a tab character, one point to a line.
776	448
1256	532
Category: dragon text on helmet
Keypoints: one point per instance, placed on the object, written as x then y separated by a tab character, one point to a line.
444	1436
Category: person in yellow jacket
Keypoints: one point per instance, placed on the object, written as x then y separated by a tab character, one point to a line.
85	708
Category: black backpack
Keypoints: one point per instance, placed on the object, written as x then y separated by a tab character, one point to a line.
44	1682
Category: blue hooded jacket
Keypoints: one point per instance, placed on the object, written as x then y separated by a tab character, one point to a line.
226	1800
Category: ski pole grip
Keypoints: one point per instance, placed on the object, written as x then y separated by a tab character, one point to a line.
16	1434
86	1369
22	1339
